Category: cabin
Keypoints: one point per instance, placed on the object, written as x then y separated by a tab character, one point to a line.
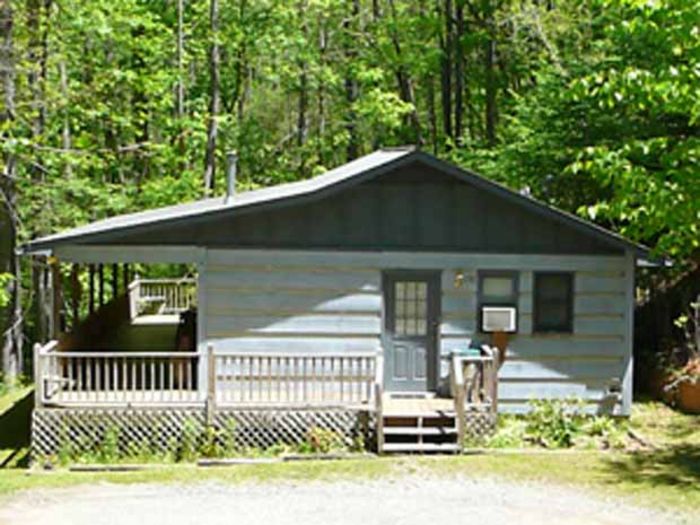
397	299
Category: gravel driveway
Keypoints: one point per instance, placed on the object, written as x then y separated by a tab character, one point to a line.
409	500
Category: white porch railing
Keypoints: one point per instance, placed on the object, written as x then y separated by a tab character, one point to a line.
474	384
90	379
161	296
342	379
114	378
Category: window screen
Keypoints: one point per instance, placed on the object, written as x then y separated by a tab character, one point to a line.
554	302
498	288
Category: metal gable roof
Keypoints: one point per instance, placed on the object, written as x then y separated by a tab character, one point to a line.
334	180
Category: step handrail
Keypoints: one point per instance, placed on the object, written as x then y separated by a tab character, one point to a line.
378	400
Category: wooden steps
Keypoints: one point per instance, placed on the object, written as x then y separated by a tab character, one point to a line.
425	431
444	448
419	431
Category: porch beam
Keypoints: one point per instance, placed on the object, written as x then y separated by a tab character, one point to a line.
128	254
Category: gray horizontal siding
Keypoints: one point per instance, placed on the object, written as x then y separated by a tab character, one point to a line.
255	306
339	323
331	301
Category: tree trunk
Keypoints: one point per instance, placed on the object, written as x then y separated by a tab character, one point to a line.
182	161
9	260
351	87
490	64
302	107
322	50
66	141
180	45
404	81
214	99
446	71
459	71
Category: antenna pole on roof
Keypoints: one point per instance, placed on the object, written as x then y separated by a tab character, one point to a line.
231	169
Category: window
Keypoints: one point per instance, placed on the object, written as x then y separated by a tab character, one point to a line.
497	288
554	302
411	308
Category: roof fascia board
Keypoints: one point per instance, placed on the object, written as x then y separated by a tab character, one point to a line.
86	254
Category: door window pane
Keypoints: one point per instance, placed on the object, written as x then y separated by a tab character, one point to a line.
411	308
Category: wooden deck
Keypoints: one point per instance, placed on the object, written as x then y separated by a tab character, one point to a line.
395	404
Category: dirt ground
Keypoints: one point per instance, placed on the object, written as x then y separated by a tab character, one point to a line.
409	500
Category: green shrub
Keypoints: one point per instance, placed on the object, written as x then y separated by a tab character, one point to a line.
189	444
108	450
510	433
322	441
554	423
210	447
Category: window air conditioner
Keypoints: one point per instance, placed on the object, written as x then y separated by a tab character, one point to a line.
498	319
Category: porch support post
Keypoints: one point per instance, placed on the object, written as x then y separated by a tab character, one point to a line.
202	372
38	377
211	385
91	286
101	284
115	281
56	298
75	294
125	272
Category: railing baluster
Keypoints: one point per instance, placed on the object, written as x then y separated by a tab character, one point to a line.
142	379
123	382
69	366
88	374
260	378
152	384
79	371
251	382
171	378
342	381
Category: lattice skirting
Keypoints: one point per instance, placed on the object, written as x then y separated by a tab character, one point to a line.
479	423
164	430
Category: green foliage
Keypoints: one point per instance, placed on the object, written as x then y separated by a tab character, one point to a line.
5	280
195	442
108	450
189	442
556	424
510	433
322	441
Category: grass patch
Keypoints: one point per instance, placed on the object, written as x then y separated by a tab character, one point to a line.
602	473
667	477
